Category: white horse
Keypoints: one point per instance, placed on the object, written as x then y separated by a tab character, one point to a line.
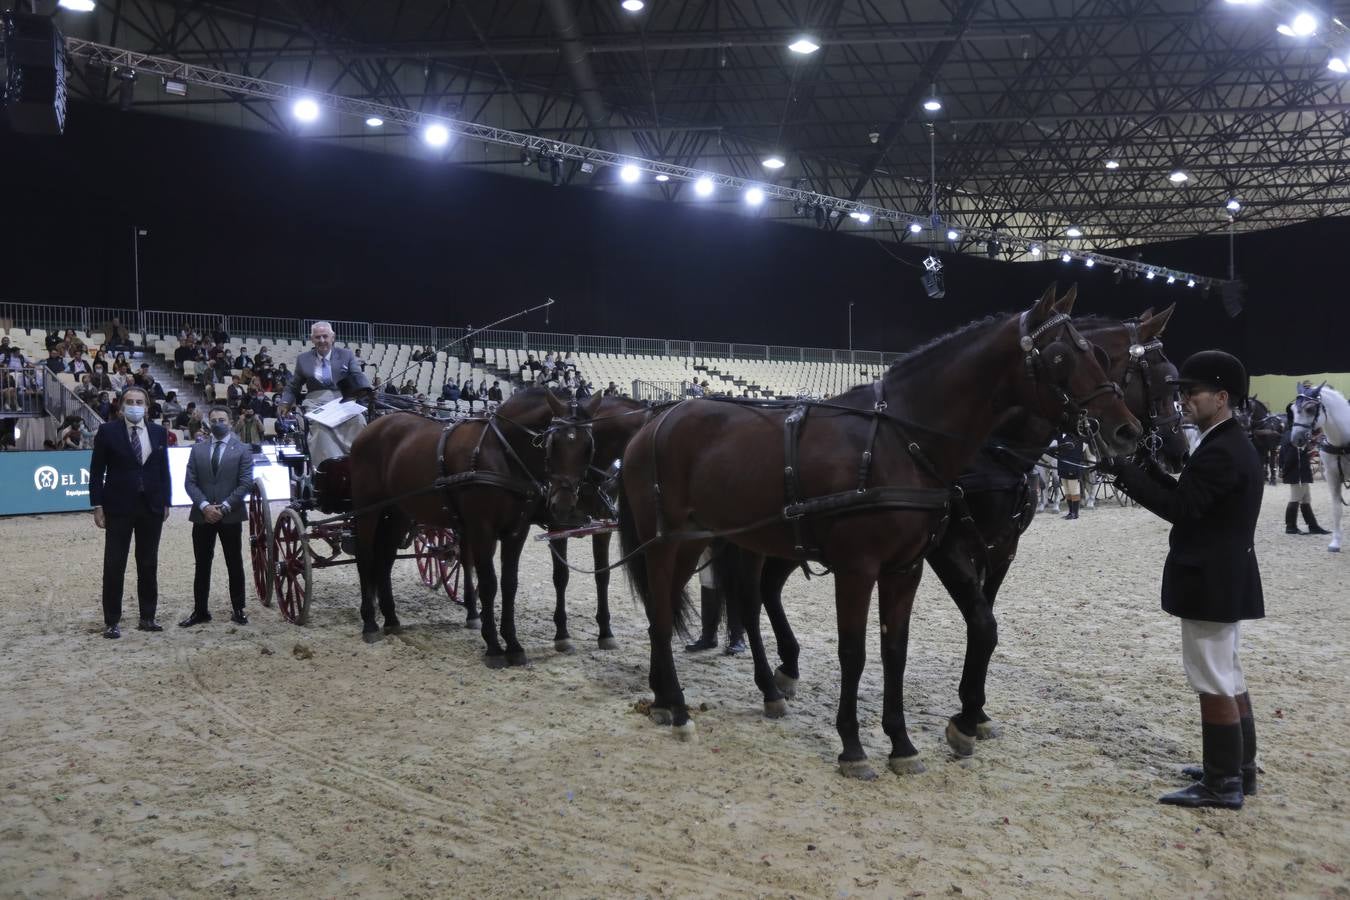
1326	408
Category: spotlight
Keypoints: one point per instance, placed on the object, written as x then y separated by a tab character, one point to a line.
1171	279
1089	262
126	88
555	174
1178	177
1304	24
177	88
953	234
1074	231
526	158
1233	205
663	177
933	282
1065	257
1035	249
633	6
436	135
754	196
1337	65
932	104
915	228
587	167
77	5
1112	164
305	109
991	249
374	122
703	187
1150	274
630	173
1190	282
862	217
774	161
804	45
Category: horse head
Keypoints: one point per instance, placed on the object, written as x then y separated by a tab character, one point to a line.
569	448
1307	412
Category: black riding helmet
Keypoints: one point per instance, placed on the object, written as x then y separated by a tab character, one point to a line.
1216	370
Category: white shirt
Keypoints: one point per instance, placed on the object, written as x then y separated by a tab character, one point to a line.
1204	434
144	436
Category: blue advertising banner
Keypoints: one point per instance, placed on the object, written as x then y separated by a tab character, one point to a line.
44	481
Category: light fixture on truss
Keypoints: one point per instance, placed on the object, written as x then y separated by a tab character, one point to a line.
933	283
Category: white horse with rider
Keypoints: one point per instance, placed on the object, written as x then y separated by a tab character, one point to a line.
1326	408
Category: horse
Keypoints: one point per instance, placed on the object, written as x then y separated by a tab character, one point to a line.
1265	430
974	556
1325	407
477	477
614	423
861	483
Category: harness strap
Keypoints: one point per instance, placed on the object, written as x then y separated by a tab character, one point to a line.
868	500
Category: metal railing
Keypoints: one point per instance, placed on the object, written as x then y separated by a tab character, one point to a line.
62	402
659	391
21	390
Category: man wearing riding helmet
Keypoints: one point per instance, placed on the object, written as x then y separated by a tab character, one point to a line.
1210	579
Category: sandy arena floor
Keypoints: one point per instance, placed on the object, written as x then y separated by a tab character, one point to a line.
219	762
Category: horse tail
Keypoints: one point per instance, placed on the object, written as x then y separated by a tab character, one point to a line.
636	567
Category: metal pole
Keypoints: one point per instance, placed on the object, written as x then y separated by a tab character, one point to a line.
1232	249
850	332
136	233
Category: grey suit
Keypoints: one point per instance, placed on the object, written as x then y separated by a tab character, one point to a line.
325	443
341	363
228	484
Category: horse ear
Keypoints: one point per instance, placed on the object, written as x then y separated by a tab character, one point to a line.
1145	315
559	408
1043	306
1065	304
1155	325
593	407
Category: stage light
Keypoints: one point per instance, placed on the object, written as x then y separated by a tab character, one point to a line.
436	135
804	45
1233	205
1112	164
862	217
77	5
177	88
1065	257
754	196
663	177
932	104
630	173
1149	274
374	122
953	234
915	228
991	249
1190	282
1304	24
1171	279
587	168
1035	249
773	162
1178	177
305	109
703	187
1089	262
555	171
633	6
1074	231
1337	65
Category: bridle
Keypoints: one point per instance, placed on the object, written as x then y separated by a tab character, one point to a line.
570	425
1139	366
1035	356
1312	400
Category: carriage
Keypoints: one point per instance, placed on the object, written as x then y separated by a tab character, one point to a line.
286	550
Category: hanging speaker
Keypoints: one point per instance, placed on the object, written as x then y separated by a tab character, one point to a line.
35	74
1234	296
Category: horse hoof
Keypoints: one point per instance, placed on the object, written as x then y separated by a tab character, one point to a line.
608	643
660	715
396	628
986	730
857	768
775	709
495	661
474	624
961	744
787	685
906	765
686	733
1333	549
517	659
564	646
371	637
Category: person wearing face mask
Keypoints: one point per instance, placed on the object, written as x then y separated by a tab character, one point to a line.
99	379
320	372
130	491
248	429
219	477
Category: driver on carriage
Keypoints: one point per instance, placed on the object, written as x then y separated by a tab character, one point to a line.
325	373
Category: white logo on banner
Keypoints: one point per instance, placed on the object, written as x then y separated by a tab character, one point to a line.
46	477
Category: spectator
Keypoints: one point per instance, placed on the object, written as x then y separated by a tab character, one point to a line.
103	406
249	428
495	392
53	340
172	408
86	390
185	333
78	364
186	351
180	421
99	379
262	405
262	359
281	377
119	338
221	335
54	362
195	426
70	434
584	389
483	391
612	390
243	360
1070	452
234	395
409	388
450	391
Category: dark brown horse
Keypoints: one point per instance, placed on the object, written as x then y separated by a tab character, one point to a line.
860	483
975	554
1266	429
477	477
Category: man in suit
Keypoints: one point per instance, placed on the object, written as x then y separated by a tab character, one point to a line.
219	475
130	491
319	372
1210	579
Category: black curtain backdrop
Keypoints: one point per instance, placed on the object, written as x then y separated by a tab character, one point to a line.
273	225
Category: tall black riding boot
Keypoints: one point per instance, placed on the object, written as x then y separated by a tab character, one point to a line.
1221	784
1248	726
1311	521
710	609
1291	519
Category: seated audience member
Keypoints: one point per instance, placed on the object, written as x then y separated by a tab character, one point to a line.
281	377
409	388
86	390
495	392
103	405
54	362
185	352
70	434
234	395
262	359
195	425
221	335
249	428
119	338
99	379
78	364
243	360
172	408
612	390
262	405
53	340
180	419
450	391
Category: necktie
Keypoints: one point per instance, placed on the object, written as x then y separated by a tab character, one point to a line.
324	374
136	444
215	457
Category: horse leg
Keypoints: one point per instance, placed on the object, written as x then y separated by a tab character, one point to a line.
988	625
1333	469
664	565
512	544
600	555
747	585
852	597
483	553
960	574
896	602
367	527
771	580
562	641
390	535
472	621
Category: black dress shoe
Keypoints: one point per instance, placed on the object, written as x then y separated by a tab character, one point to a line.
238	617
111	632
1197	773
195	619
149	625
1224	792
703	643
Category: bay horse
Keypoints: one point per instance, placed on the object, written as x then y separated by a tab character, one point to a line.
975	554
1326	408
613	425
1265	429
861	483
476	476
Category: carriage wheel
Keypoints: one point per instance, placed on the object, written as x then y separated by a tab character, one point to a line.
448	562
292	565
424	550
260	541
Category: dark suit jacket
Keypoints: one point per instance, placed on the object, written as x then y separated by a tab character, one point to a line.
1211	572
115	479
232	481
